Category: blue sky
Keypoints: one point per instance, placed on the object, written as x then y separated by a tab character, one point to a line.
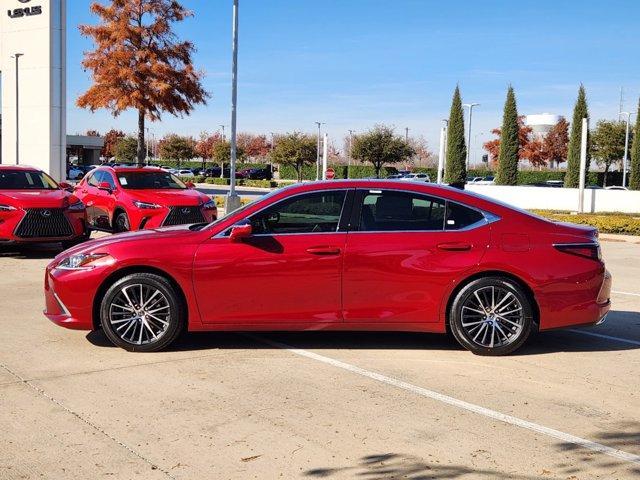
355	63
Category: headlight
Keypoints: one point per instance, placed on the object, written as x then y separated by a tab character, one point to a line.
210	205
6	208
146	205
77	207
84	261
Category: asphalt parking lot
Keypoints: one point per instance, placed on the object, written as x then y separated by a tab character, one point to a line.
316	405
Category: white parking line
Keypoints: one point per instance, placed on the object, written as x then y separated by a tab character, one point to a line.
607	337
626	293
423	392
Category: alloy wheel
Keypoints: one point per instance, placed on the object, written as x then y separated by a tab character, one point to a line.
139	314
492	317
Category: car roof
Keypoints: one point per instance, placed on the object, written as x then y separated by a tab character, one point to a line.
129	169
19	167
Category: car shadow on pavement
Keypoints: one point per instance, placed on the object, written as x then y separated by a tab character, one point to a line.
540	344
395	466
36	251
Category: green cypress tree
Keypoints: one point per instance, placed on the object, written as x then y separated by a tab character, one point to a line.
509	143
580	111
456	166
634	178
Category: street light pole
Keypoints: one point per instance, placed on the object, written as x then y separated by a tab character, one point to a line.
626	148
233	200
319	124
470	107
17	57
406	134
223	137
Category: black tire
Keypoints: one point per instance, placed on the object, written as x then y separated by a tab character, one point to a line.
124	328
511	328
76	241
121	223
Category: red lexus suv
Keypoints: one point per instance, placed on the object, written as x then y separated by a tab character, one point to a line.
34	208
120	199
341	255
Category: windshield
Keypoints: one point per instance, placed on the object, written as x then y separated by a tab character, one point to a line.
149	181
26	180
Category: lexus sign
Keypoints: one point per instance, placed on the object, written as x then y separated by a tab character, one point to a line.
25	11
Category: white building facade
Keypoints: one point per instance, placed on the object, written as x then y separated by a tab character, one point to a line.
36	31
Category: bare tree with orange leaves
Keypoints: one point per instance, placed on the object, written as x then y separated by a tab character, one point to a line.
139	63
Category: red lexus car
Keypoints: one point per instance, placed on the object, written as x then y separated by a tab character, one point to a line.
343	255
120	199
34	208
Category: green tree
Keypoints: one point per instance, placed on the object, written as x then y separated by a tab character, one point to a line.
456	165
176	147
126	149
509	143
222	153
580	111
295	149
380	146
607	144
634	178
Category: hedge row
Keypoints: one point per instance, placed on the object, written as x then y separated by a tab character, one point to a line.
605	223
242	182
524	177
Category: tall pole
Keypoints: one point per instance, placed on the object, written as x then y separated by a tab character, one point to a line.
223	137
319	124
626	149
441	155
325	156
233	200
583	163
470	106
17	57
406	134
350	147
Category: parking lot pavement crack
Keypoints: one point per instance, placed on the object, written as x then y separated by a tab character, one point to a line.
85	420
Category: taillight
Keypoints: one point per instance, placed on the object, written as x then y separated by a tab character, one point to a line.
587	250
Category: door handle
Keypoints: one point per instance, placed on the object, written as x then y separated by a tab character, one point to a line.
323	250
454	246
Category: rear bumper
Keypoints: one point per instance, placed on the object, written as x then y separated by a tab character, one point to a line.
587	312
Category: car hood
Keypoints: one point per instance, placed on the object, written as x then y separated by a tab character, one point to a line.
179	233
170	198
35	198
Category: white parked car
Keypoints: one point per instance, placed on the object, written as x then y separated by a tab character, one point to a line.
75	173
184	173
416	177
475	180
616	187
488	180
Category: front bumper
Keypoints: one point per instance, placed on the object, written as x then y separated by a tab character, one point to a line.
10	223
77	313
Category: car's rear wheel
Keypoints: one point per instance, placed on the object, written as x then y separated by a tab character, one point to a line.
491	316
142	312
121	223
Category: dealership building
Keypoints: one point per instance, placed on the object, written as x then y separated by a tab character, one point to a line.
33	69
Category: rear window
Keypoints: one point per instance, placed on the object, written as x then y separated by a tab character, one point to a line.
459	216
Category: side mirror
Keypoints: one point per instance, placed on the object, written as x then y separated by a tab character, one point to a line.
66	186
190	185
104	186
239	232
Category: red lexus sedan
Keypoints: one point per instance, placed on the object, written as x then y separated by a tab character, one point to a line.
34	208
342	255
120	199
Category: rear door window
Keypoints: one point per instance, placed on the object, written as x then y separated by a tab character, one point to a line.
391	210
460	217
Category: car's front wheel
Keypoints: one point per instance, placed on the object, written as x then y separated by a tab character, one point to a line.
121	223
142	312
491	316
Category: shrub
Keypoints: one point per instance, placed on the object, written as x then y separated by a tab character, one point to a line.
217	181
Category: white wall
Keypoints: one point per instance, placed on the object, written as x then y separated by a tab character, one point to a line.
544	198
41	38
